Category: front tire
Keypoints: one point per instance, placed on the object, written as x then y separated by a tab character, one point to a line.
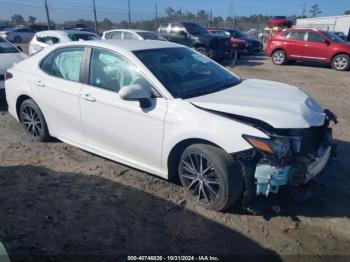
279	57
341	62
210	177
33	121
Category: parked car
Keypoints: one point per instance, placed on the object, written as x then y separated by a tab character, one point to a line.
254	45
170	111
132	34
197	37
237	44
280	21
341	35
9	55
46	38
18	35
309	45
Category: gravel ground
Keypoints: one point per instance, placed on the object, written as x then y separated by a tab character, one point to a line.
60	200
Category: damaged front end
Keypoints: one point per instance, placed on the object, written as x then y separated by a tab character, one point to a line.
289	157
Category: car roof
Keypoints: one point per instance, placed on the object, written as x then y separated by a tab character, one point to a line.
127	45
63	32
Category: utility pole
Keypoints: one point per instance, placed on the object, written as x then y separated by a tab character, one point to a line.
231	10
129	15
210	17
157	23
95	17
180	14
47	15
304	10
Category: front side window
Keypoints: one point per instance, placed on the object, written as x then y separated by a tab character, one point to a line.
130	36
297	36
111	71
334	37
176	29
186	73
6	47
66	63
314	37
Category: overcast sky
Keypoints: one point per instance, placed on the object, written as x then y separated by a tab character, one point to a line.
116	10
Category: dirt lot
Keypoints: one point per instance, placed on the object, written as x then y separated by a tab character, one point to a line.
59	200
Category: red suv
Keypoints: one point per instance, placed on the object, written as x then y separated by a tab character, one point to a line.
280	21
309	45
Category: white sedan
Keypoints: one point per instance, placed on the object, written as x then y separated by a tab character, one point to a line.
170	111
46	38
9	55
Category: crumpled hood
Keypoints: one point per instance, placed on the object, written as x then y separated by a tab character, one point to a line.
8	60
277	104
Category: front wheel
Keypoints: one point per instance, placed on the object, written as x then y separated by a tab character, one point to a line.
33	121
279	57
210	177
341	62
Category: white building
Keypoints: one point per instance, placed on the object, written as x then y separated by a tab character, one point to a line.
330	23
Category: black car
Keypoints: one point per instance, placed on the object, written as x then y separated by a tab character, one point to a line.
254	46
197	37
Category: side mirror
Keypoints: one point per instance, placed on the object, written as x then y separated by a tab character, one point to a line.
19	48
327	42
135	92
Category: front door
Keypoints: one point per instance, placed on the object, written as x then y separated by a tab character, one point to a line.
316	48
130	133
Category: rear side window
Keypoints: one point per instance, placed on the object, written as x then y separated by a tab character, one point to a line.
116	35
50	40
108	35
314	37
64	63
285	34
297	36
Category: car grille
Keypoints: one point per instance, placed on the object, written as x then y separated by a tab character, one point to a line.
2	77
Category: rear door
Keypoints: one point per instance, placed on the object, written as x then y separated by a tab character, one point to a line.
295	45
316	49
57	89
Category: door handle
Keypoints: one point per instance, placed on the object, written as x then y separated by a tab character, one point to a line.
40	83
88	97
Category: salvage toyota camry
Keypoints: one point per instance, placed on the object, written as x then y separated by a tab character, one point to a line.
170	111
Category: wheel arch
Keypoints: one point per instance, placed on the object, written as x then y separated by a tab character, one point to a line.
339	53
176	152
19	101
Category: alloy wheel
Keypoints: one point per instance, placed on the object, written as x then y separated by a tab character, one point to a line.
340	63
278	57
200	179
32	122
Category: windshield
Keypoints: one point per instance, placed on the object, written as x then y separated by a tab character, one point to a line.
151	36
186	73
195	29
334	37
237	34
6	47
84	37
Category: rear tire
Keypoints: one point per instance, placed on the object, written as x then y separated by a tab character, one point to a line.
210	177
341	62
279	57
33	121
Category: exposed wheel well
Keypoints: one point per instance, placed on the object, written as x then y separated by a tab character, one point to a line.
200	45
20	100
341	53
278	49
175	155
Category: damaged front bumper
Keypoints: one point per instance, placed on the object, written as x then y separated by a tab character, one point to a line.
290	157
320	166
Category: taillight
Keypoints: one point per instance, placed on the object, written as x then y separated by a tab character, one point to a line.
8	75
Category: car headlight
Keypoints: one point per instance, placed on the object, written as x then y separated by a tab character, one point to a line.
271	146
